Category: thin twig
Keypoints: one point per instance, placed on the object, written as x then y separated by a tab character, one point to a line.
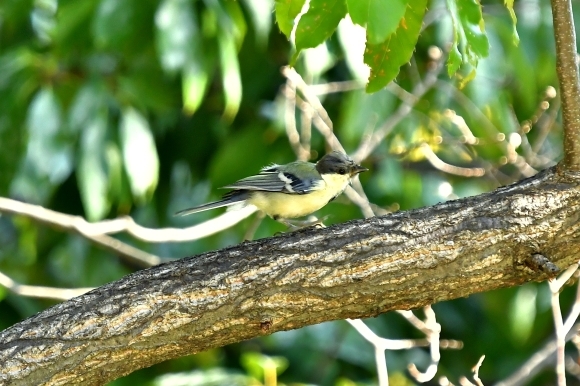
310	97
555	287
125	224
322	123
96	232
564	332
476	371
367	147
41	292
438	163
536	362
432	330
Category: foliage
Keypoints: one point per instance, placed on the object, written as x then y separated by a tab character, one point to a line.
146	107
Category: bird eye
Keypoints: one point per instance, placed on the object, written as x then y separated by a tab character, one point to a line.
342	171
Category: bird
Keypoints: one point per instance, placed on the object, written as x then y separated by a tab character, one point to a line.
288	191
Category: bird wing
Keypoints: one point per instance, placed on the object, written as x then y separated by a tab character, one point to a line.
272	179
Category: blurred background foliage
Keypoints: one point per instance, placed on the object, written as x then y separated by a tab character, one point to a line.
142	108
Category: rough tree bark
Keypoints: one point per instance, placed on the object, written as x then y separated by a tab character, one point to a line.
352	270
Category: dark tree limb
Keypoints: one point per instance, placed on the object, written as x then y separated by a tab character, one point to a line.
353	270
567	68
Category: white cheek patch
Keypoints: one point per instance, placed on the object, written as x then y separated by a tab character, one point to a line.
287	181
336	182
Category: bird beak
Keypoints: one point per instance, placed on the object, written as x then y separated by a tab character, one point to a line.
356	169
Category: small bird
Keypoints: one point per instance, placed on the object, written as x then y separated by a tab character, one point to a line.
288	191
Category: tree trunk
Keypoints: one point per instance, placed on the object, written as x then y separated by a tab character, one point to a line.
352	270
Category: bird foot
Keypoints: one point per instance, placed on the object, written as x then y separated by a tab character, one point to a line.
296	225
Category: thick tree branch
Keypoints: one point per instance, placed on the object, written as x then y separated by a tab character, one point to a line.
567	68
353	270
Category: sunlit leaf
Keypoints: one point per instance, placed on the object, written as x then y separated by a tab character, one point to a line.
88	102
318	60
234	20
194	83
385	59
92	169
380	18
469	39
522	313
119	191
231	80
177	33
286	12
43	20
258	364
318	23
261	14
139	153
209	376
230	19
510	7
48	159
352	38
47	150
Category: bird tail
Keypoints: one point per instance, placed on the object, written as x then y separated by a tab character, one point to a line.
229	199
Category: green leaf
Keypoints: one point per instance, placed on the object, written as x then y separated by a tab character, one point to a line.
88	102
385	59
92	173
522	313
71	30
48	159
509	4
230	19
261	14
380	18
43	20
258	365
469	39
139	154
318	23
110	24
177	33
231	79
194	83
48	150
286	12
145	87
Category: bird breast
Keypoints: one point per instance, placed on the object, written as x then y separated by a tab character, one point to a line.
283	205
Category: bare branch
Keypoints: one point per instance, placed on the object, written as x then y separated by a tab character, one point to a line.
94	231
438	163
367	147
432	330
555	287
565	331
352	270
537	362
40	291
322	123
567	69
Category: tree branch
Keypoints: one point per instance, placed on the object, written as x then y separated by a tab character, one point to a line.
352	270
567	68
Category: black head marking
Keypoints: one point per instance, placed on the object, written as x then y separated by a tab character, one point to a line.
337	162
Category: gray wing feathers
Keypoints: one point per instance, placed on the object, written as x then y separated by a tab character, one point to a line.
264	181
272	180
